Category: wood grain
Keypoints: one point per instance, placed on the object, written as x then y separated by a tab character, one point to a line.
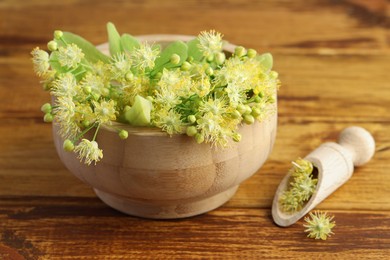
333	58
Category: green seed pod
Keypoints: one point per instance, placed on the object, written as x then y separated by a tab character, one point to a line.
46	108
248	119
123	134
175	59
199	138
191	131
48	118
68	145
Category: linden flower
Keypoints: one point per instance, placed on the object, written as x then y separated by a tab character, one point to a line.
70	56
120	66
319	225
64	112
89	151
145	55
65	85
214	106
105	111
210	43
40	60
169	122
301	187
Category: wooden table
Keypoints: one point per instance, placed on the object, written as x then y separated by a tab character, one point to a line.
334	62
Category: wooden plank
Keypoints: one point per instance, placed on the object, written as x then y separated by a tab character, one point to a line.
29	165
68	229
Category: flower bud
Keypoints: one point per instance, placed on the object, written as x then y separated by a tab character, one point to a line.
52	46
199	138
46	108
220	58
209	71
68	145
85	123
274	74
239	51
241	109
257	99
175	59
191	119
210	58
236	114
123	134
87	89
248	119
256	112
251	53
191	131
58	34
190	59
129	76
48	118
236	137
186	66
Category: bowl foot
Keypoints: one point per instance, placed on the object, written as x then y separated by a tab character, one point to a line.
169	209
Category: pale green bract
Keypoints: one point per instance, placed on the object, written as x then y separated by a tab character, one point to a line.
191	88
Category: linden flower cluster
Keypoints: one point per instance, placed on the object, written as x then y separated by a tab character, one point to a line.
187	88
301	188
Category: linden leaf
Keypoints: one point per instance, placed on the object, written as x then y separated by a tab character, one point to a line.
139	113
114	39
193	49
91	53
128	42
163	61
266	61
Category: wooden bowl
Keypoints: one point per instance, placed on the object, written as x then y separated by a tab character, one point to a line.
156	176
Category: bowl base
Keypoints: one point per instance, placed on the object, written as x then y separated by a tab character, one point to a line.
170	209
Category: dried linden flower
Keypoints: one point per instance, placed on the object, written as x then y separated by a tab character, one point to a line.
301	188
89	151
319	225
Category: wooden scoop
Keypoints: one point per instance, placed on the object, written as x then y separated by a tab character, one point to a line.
335	163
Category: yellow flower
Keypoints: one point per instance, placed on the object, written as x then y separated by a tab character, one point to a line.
105	111
70	56
89	151
169	121
40	60
210	43
145	55
319	225
65	85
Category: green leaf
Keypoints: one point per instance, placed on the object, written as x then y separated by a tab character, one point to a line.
91	53
128	42
114	39
163	61
139	113
193	49
266	61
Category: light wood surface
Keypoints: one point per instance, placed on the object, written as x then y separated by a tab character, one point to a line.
333	58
